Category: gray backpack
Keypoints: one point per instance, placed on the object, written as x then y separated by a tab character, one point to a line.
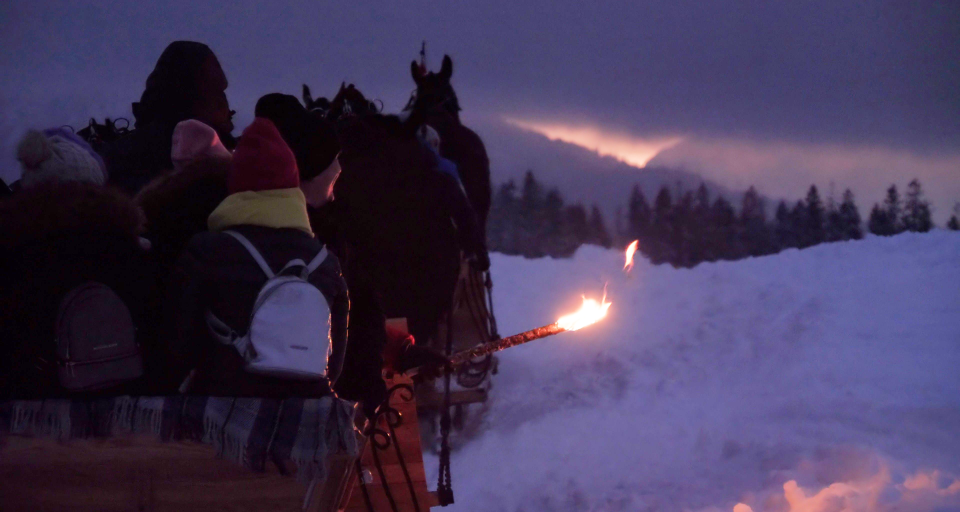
96	345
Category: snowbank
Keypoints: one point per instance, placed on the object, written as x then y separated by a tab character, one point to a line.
814	380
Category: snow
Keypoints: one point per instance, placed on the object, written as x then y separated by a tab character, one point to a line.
817	380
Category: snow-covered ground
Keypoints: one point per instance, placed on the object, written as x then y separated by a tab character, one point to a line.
819	380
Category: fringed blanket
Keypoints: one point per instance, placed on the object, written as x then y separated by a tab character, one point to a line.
249	431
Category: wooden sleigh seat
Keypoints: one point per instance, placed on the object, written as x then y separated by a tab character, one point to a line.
138	472
51	468
141	473
177	453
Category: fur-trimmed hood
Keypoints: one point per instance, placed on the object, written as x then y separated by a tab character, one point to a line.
55	210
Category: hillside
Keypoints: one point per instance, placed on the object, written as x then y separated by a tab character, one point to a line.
580	174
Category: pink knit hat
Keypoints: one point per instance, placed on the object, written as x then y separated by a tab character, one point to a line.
193	140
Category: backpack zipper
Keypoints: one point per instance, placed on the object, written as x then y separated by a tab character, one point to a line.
70	364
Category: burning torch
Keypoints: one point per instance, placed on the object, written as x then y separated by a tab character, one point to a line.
590	313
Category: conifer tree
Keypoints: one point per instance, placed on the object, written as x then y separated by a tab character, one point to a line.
682	232
892	206
531	195
577	226
783	228
661	227
753	223
798	224
598	229
954	222
850	221
552	233
833	225
705	234
501	223
879	223
702	203
531	217
916	210
662	207
724	221
638	215
813	231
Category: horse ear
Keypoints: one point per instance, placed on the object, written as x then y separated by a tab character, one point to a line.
415	72
446	70
307	97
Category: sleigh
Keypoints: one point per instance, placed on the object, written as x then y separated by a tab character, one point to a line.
206	453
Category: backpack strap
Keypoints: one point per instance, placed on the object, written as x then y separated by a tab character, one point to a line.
308	268
254	252
316	261
225	335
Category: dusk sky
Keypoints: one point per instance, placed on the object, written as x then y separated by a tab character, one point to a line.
780	95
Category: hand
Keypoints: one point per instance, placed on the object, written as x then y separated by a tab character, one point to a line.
480	261
429	362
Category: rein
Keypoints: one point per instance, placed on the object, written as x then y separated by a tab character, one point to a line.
448	99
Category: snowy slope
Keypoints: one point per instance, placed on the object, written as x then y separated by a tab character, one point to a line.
826	379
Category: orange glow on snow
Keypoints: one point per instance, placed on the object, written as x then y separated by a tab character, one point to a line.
631	250
624	147
590	313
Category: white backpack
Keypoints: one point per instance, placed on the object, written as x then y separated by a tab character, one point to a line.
289	331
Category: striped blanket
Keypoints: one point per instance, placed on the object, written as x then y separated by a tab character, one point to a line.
249	431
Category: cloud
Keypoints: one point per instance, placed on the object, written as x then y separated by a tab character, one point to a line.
627	148
818	71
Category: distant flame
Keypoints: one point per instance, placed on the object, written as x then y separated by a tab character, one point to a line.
631	249
590	313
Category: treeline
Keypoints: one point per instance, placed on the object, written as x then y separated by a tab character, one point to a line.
684	228
535	222
693	228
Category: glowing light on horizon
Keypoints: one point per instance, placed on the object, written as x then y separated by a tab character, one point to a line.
626	148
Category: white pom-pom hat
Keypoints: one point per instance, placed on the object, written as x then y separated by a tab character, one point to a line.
57	155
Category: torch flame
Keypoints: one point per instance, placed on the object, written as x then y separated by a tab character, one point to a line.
590	313
631	249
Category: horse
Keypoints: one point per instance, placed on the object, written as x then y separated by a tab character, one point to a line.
435	103
396	232
349	100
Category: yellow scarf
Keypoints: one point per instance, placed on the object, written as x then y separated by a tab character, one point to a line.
280	208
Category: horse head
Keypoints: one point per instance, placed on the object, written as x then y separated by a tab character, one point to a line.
349	100
320	104
434	91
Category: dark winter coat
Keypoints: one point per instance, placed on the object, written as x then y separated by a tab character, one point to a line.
361	379
465	148
177	205
187	83
53	238
455	202
216	273
390	211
